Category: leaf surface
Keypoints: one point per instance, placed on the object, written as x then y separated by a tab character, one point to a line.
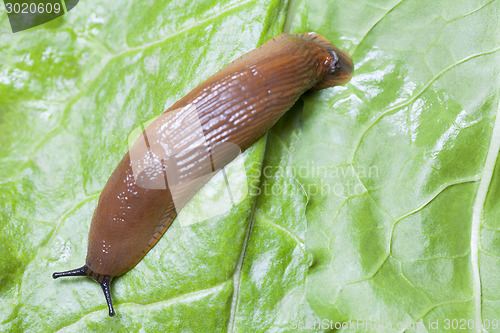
375	201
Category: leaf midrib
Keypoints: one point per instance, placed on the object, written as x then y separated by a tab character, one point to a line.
477	213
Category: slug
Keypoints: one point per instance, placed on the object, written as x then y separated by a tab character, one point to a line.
180	150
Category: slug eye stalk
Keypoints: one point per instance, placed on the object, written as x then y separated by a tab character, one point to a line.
103	280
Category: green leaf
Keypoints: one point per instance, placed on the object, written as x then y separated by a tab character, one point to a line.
375	201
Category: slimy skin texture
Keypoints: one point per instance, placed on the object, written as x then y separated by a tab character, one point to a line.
179	151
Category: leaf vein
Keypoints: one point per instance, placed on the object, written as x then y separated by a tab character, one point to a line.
477	210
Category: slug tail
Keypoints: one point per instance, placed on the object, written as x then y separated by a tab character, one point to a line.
103	280
341	71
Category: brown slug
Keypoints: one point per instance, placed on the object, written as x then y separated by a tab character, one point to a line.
179	151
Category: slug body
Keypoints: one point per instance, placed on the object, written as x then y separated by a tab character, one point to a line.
179	151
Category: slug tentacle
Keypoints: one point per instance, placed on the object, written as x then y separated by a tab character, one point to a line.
103	280
82	271
105	284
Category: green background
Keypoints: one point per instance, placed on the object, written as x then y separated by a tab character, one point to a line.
379	200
